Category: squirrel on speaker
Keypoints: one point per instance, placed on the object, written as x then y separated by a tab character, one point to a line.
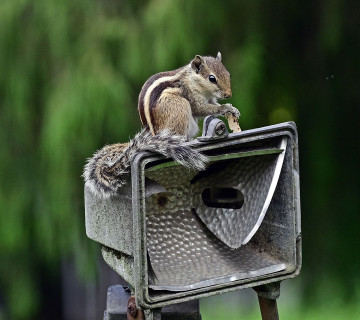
170	104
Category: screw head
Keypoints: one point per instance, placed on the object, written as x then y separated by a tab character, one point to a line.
132	310
220	128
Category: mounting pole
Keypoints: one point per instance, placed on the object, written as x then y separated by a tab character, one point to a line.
267	295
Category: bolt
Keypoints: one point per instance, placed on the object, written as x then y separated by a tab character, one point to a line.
220	128
132	310
162	201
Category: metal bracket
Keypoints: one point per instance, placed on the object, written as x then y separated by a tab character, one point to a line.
213	129
120	305
269	291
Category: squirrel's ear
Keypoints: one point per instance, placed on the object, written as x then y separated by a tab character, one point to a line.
197	63
218	57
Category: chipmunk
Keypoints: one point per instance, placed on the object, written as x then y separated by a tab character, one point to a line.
170	104
175	100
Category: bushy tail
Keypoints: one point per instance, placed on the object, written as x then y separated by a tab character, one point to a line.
104	172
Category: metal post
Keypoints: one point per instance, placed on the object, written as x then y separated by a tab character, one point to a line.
267	295
268	308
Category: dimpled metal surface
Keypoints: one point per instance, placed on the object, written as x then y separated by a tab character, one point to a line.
185	251
176	181
185	255
253	177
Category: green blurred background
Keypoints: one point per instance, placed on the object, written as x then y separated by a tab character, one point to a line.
70	74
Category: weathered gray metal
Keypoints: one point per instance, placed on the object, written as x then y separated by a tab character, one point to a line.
213	129
117	308
175	235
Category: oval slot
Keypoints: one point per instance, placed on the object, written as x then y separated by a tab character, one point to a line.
228	198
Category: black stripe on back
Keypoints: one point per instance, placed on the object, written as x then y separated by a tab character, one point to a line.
142	111
145	87
156	93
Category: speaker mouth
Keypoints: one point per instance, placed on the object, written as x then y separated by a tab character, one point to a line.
198	230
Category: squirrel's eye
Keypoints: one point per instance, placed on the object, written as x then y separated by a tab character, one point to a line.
212	78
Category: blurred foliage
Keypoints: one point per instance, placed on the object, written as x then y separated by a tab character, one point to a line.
70	75
331	307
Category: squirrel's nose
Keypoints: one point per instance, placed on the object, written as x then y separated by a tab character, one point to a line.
228	94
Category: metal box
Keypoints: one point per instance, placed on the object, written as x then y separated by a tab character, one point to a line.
176	235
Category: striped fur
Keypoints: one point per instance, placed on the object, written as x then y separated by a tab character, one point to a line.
152	91
175	100
104	172
141	106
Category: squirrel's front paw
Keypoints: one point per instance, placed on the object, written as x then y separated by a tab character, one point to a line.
229	108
